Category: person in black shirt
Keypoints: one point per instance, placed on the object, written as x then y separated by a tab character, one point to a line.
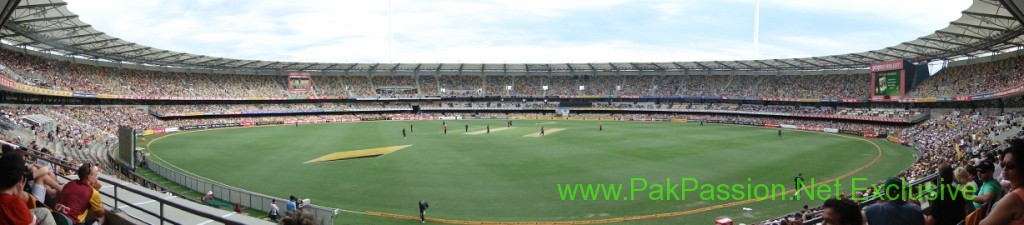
423	211
949	207
403	132
841	212
798	182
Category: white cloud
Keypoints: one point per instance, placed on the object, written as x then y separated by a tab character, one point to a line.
924	14
471	31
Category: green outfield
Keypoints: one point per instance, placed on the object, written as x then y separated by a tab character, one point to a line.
516	175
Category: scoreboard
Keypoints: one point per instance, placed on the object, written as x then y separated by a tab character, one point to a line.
126	146
888	83
889	80
300	81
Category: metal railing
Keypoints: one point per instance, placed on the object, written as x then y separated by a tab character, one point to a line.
160	214
244	197
120	187
876	198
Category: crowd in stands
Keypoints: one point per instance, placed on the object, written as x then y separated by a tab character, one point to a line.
973	79
491	105
533	85
807	86
964	149
459	85
818	123
239	108
75	134
177	110
67	76
936	138
963	140
83	126
761	108
394	86
31	191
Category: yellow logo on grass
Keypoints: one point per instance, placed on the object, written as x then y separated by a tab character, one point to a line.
372	152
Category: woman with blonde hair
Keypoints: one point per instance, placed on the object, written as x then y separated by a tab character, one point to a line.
963	178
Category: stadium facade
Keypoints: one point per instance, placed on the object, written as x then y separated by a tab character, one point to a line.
49	56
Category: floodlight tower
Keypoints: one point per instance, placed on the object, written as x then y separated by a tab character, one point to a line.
757	28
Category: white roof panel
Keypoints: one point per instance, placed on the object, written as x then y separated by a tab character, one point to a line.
47	25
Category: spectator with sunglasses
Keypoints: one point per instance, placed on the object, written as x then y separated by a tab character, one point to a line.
1010	209
989	188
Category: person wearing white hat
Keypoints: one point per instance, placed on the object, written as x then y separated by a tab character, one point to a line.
208	196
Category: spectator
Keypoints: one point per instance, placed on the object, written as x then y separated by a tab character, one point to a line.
990	189
948	207
43	182
275	212
967	187
208	196
17	206
299	218
292	205
1010	209
894	209
79	197
841	212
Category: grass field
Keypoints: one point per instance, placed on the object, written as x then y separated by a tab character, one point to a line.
508	175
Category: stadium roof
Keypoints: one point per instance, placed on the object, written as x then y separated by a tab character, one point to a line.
48	26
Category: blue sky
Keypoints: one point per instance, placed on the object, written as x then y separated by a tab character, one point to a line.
522	31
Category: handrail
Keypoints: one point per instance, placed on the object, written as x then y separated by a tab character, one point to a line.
120	185
162	202
322	213
875	198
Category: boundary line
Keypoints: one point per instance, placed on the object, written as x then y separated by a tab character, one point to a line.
878	156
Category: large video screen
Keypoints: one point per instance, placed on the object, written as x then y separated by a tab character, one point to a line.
126	145
300	81
887	83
